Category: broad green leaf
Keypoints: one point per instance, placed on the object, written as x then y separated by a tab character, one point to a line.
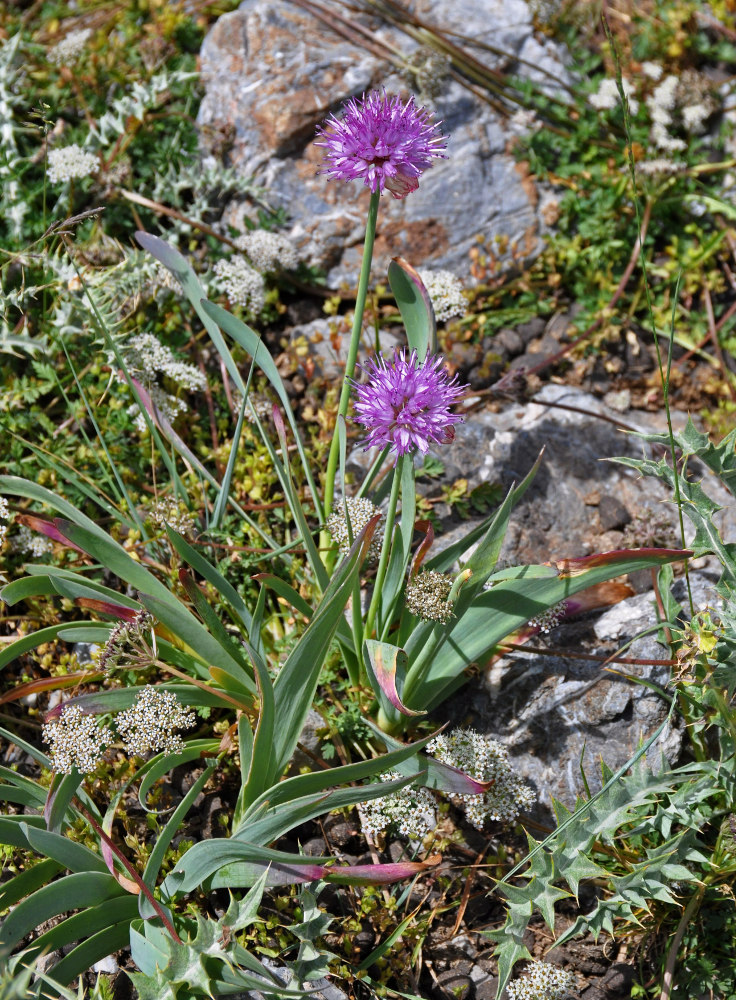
28	881
75	891
415	307
386	667
94	949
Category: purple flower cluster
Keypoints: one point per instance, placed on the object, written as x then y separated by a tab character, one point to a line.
406	405
383	141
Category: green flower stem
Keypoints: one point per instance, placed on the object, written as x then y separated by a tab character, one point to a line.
385	548
365	270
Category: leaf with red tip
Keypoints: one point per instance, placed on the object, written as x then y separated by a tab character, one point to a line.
52	529
386	666
49	684
107	608
380	874
632	559
424	546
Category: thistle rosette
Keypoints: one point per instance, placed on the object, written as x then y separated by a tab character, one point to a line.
384	141
405	405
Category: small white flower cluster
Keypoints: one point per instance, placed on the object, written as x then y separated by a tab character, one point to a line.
76	740
523	121
661	167
360	510
127	644
70	162
147	358
542	981
607	96
145	355
410	812
4	516
687	94
148	727
31	543
69	48
171	513
426	596
484	760
446	292
269	251
545	621
242	284
653	70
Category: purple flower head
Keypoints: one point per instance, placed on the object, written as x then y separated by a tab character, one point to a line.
406	405
384	141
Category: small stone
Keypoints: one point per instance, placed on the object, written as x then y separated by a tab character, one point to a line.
612	513
508	342
532	329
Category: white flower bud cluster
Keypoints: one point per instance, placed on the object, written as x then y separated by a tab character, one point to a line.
31	543
242	284
426	596
542	981
148	727
545	621
446	292
76	740
360	510
4	516
410	812
70	163
484	760
69	48
269	251
607	96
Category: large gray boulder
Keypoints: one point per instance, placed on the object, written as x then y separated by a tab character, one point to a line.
273	72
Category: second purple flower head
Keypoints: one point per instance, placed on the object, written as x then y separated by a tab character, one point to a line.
383	141
405	405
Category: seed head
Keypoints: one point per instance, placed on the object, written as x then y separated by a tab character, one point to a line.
549	619
148	727
75	740
360	510
405	405
426	596
381	140
128	644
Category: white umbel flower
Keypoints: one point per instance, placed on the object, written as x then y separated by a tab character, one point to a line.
360	510
446	292
542	981
70	163
484	760
75	740
242	284
148	727
69	48
410	812
269	251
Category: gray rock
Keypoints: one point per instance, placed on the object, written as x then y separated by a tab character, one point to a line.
548	709
272	73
